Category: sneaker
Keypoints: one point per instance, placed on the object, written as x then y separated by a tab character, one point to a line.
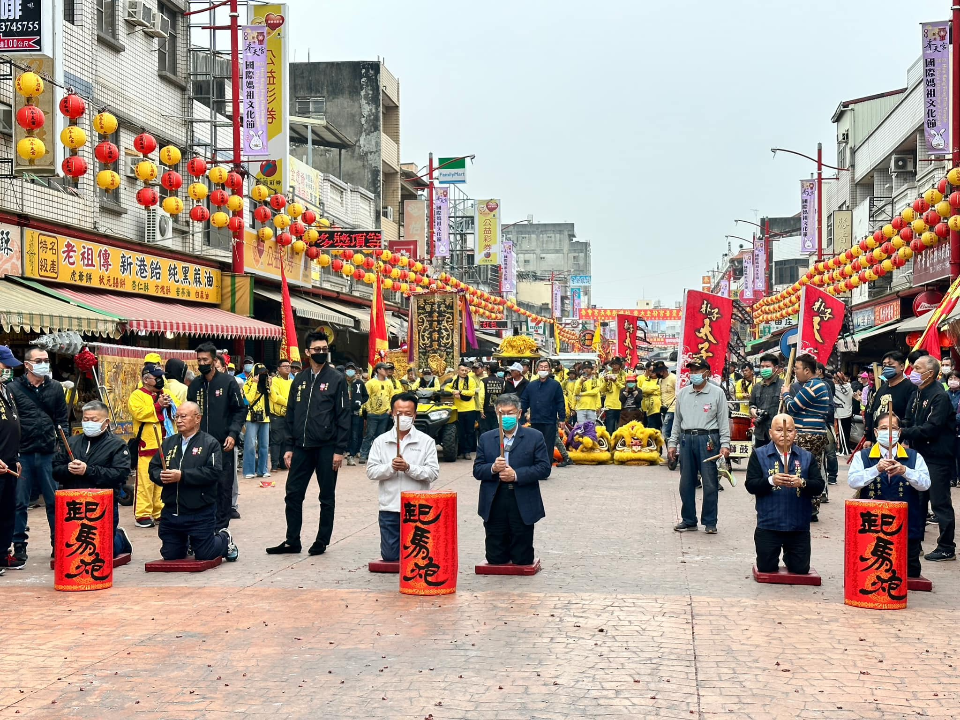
350	460
932	519
234	513
683	527
20	551
248	477
232	553
126	539
939	555
815	518
467	456
265	475
565	463
145	522
362	461
284	548
11	562
318	548
711	529
832	482
719	487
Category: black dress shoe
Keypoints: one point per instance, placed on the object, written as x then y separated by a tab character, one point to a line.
234	514
318	548
284	548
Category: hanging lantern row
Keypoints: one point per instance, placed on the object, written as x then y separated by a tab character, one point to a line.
921	225
73	137
107	154
29	86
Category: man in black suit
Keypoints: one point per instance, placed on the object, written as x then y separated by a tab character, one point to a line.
510	501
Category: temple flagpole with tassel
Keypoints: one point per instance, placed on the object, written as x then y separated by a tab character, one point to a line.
379	343
289	345
931	341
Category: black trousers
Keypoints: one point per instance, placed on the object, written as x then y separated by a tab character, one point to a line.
468	433
914	551
196	526
389	535
8	510
306	462
225	490
941	473
278	441
508	538
795	546
549	432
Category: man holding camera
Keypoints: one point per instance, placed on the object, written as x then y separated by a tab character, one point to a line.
765	398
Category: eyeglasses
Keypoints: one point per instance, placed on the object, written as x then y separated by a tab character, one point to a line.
319	349
181	416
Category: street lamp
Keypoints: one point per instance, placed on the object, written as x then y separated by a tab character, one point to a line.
820	166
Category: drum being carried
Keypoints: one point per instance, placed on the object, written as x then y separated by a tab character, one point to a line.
739	427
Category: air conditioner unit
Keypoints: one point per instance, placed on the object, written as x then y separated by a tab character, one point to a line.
159	226
130	165
387	212
902	164
139	13
160	28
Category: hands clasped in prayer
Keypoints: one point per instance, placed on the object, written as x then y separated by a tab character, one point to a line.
506	473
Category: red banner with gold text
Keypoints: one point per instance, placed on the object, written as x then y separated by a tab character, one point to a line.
821	319
627	339
707	320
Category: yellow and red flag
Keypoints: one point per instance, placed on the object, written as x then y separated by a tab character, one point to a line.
379	344
930	340
289	348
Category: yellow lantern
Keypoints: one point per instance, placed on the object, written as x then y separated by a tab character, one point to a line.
887	265
235	203
908	214
403	261
386	256
29	85
370	278
864	263
387	284
265	234
905	252
73	137
260	193
173	205
871	276
929	239
323	222
855	280
31	148
347	269
281	221
888	232
358	259
944	209
404	287
324	261
295	210
953	177
919	226
954	223
299	246
218	174
170	155
898	242
311	235
879	255
105	123
219	219
197	191
395	273
146	171
932	196
108	180
871	241
856	251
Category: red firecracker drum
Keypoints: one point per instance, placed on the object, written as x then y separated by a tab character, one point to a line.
739	427
83	545
428	543
875	555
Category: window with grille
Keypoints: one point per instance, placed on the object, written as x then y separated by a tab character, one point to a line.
6	118
314	107
167	47
70	11
107	18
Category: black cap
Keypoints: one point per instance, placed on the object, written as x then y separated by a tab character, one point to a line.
698	363
659	365
389	366
350	365
616	361
380	366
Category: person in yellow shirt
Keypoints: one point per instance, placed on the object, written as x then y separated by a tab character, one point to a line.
279	396
668	395
650	405
743	387
397	385
381	390
256	433
464	390
174	375
613	383
148	405
586	394
569	389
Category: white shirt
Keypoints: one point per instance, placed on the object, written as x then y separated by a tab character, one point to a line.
843	400
858	476
420	452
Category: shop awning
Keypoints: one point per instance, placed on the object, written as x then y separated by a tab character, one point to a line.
144	315
306	308
25	309
359	313
878	330
487	341
919	324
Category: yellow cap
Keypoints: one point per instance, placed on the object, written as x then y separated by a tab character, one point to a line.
153	358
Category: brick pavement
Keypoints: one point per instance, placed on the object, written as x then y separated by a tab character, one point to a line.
628	619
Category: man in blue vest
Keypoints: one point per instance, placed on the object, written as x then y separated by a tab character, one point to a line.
785	479
889	471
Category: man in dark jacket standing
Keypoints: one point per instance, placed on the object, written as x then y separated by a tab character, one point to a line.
222	413
42	408
358	398
318	420
101	460
543	399
190	474
930	429
9	450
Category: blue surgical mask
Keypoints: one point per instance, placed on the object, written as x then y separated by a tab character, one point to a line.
696	378
92	428
41	369
500	374
889	373
351	373
248	369
509	423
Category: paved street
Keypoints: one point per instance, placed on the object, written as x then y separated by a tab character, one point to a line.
627	619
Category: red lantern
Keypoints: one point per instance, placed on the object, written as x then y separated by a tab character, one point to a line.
262	214
878	236
887	249
917	245
404	274
106	153
171	180
942	186
148	196
197	167
920	205
863	243
906	234
72	106
74	166
337	265
284	239
387	269
878	270
234	182
235	224
198	213
219	197
954	199
309	217
942	230
278	202
297	229
899	223
30	117
369	262
358	274
144	143
348	255
378	252
931	217
313	253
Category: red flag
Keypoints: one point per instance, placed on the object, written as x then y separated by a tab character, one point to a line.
707	320
821	319
379	344
289	348
627	339
931	342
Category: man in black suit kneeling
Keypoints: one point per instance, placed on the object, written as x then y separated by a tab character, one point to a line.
510	502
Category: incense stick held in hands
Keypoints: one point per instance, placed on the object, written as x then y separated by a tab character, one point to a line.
66	445
163	460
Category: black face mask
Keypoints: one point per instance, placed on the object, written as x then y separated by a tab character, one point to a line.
159	383
320	358
204	369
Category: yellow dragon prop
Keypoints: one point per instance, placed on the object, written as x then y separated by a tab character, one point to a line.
634	444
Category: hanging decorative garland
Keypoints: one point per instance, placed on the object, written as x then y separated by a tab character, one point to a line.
29	86
171	180
106	153
146	170
72	107
197	168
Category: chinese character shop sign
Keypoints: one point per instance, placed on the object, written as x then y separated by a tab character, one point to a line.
254	90
875	555
83	552
428	543
349	239
26	26
101	267
936	86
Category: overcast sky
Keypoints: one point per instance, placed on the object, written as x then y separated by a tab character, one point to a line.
648	124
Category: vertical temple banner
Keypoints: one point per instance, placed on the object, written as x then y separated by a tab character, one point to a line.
557	302
253	92
441	222
705	332
725	286
746	293
808	216
576	302
821	319
627	326
273	172
760	267
488	232
936	86
415	225
509	282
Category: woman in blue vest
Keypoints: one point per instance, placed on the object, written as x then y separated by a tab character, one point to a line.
785	479
889	471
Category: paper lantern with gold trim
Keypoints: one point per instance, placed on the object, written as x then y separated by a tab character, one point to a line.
105	123
235	203
954	223
217	174
347	270
324	260
197	191
28	85
265	234
311	236
145	171
219	219
281	221
172	205
299	246
170	155
932	196
108	180
31	148
260	192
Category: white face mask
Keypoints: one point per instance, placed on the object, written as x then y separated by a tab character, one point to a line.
404	422
93	428
888	437
41	369
544	373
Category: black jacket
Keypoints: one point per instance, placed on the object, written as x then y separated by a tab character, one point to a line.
900	393
930	425
107	459
318	411
358	394
41	410
529	458
221	405
201	466
9	428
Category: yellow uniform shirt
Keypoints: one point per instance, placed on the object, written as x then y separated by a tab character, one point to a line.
650	388
668	392
468	389
256	400
742	389
144	414
381	392
611	390
587	394
176	390
280	395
